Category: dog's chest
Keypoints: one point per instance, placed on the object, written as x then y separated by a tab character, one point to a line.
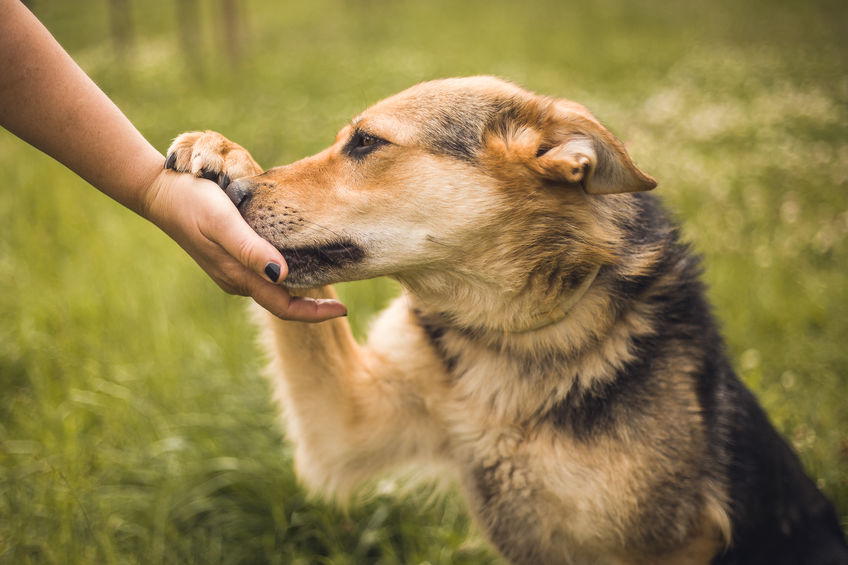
533	494
526	479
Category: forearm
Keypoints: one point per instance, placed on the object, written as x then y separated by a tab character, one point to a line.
48	101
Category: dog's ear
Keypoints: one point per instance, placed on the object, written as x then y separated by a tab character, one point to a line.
578	150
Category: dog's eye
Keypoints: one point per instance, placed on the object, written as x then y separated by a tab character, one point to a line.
362	143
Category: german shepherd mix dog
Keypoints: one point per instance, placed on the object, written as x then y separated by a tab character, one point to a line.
553	346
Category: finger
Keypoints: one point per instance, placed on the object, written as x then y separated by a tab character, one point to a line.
237	238
279	302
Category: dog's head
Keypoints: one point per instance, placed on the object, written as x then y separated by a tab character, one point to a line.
449	175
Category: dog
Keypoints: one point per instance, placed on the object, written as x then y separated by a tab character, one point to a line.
552	348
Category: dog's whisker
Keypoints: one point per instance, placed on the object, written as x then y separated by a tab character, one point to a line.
437	241
322	227
347	251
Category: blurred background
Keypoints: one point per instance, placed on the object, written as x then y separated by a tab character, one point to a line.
135	425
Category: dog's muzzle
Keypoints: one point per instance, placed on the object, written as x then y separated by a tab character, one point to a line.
240	191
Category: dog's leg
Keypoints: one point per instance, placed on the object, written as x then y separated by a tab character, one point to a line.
353	411
210	155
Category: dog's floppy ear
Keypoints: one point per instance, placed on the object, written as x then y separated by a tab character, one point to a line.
581	151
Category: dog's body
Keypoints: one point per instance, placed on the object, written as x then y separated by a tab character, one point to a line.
553	346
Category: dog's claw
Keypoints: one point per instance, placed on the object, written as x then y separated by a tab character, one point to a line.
208	174
171	162
209	155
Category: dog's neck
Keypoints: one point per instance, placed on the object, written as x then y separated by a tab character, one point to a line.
559	311
477	306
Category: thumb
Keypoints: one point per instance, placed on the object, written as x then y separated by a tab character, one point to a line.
242	243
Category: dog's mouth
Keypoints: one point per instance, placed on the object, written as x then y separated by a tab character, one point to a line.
308	264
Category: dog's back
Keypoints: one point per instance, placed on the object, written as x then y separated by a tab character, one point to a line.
777	514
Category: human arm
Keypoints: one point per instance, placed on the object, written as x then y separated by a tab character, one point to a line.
47	100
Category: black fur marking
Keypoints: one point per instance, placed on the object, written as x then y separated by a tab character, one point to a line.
457	135
513	113
777	513
435	333
461	134
542	150
303	261
498	512
779	516
587	414
460	129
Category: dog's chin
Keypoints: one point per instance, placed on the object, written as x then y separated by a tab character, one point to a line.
318	265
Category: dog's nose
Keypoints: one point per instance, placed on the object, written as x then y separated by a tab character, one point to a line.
239	191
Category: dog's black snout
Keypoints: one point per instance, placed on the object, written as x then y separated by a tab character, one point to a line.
239	191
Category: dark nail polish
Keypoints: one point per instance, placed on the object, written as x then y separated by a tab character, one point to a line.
273	271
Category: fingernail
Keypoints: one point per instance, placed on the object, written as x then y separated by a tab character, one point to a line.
273	271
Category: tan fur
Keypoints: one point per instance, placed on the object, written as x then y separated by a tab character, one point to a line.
468	242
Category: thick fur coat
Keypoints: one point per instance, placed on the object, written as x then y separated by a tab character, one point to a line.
553	346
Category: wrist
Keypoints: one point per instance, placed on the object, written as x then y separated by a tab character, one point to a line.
142	174
151	197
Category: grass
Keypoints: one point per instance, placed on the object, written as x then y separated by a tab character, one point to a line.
135	426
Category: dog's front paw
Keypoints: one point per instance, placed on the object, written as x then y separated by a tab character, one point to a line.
210	155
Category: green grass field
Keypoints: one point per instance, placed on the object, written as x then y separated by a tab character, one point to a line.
135	425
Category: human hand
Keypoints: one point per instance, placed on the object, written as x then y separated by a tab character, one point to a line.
197	214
